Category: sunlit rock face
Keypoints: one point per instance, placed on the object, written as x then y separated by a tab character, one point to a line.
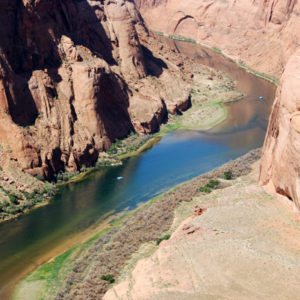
280	170
263	34
68	76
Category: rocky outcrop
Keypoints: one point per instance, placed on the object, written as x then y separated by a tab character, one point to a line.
280	158
70	73
264	35
240	248
261	33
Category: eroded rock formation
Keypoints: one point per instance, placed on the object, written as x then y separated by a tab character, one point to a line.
261	33
264	35
280	159
73	77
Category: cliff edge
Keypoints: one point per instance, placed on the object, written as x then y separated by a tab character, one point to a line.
262	34
74	76
280	157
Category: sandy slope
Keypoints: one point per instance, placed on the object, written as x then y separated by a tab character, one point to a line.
246	246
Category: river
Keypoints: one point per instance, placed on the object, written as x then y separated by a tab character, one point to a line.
181	155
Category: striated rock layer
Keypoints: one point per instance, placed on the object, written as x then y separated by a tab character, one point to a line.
261	33
280	159
73	78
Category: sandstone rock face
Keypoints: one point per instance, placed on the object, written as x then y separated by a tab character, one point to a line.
68	76
280	158
261	33
240	248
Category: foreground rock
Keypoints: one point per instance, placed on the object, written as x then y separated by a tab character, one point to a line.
280	159
240	248
261	33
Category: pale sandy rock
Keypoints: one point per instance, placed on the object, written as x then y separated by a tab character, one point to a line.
241	247
261	33
279	166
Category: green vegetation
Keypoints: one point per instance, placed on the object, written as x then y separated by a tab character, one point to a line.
175	37
114	147
108	277
165	237
212	184
240	63
130	146
267	77
67	176
158	32
228	175
182	38
216	49
39	115
205	189
21	201
50	271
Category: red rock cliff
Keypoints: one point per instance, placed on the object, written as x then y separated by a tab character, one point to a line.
280	170
261	33
68	76
264	34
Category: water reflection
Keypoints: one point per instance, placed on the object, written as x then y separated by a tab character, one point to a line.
179	156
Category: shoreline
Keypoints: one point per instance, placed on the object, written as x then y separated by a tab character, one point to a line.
148	144
240	64
151	142
158	211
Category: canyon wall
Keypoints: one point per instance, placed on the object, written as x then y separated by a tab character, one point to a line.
280	170
262	34
73	78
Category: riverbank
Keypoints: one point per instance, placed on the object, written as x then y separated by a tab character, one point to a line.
210	92
237	242
240	63
20	192
78	272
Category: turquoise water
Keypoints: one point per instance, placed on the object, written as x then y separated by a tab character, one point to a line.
179	156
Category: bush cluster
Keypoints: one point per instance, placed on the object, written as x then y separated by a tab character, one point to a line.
108	277
228	175
212	184
163	238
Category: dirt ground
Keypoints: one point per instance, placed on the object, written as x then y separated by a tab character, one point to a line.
245	245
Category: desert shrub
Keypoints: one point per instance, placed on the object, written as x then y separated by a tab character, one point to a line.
65	177
216	49
13	198
49	190
108	277
59	176
165	237
228	175
39	177
212	183
205	189
114	147
29	204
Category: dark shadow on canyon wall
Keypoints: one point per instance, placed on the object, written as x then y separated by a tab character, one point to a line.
154	65
29	41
